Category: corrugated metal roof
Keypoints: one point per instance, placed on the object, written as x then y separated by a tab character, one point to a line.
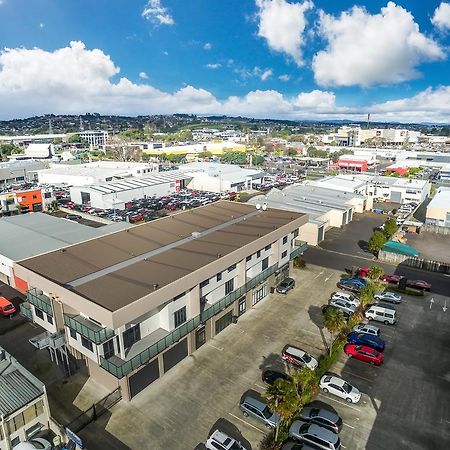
16	391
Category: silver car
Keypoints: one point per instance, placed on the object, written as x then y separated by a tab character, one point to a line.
259	409
367	329
388	296
343	305
314	435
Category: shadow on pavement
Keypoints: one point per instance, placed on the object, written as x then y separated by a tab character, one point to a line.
231	430
363	245
273	361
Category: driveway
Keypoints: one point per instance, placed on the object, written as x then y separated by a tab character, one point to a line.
202	393
434	247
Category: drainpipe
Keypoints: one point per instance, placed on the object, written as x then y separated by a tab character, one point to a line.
8	442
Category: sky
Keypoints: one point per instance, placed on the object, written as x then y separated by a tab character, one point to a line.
307	59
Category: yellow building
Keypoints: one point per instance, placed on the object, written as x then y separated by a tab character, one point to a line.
192	150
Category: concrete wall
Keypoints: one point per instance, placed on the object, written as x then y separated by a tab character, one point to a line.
439	214
309	233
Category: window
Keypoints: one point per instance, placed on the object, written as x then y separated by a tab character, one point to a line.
295	233
87	344
15	441
204	283
231	268
39	313
219	276
242	305
73	333
35	196
47	194
265	263
249	258
285	240
131	336
284	254
180	316
108	349
178	297
229	286
49	319
268	247
258	254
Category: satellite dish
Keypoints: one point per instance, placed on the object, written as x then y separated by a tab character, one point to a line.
264	207
258	206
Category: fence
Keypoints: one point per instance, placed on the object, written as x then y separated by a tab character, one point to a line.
95	411
436	229
415	261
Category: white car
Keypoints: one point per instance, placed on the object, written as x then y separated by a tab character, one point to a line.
350	298
340	388
32	444
298	357
367	329
221	441
344	305
389	297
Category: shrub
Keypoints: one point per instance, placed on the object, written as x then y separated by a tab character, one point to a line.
390	227
376	241
299	262
366	293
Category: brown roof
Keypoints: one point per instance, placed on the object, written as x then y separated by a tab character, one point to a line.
122	285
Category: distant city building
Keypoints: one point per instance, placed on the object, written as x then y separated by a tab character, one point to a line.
26	200
24	141
20	171
96	138
36	151
438	210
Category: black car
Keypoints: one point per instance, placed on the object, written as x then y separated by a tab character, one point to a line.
325	308
323	417
285	286
270	376
351	287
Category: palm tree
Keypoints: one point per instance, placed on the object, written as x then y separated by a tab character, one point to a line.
334	322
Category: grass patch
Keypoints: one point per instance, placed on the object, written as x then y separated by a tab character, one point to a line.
407	291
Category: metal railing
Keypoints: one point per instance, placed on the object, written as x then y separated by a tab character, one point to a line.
25	310
40	300
300	247
88	329
119	371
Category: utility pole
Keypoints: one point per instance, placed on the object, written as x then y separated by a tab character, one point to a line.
368	120
50	128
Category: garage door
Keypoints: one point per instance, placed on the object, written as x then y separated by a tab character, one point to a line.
175	354
140	380
396	196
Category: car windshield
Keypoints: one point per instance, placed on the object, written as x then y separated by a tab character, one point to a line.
8	307
235	446
347	387
306	358
267	413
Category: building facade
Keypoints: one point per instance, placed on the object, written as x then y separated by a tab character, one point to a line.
438	210
133	304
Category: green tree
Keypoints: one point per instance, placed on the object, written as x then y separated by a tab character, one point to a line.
234	158
390	227
8	149
205	154
133	134
376	241
366	293
290	151
375	273
334	323
257	160
74	139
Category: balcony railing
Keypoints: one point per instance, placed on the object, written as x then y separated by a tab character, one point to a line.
124	368
41	301
300	247
25	310
88	329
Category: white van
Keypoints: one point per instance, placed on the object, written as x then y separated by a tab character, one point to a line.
381	314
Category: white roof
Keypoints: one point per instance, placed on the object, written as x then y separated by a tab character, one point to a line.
346	183
39	150
228	172
440	200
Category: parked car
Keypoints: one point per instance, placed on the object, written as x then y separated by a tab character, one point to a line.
367	329
7	309
364	353
325	308
323	417
298	357
349	286
394	279
343	305
366	339
221	441
35	443
72	217
285	286
315	435
388	296
259	409
419	284
356	280
339	387
294	445
381	314
350	298
270	376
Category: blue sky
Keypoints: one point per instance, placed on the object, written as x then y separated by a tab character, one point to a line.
261	58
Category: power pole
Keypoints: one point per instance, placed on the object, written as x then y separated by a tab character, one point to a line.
368	121
50	128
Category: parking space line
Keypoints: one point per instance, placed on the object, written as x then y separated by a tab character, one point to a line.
249	424
362	378
347	425
261	387
213	346
337	401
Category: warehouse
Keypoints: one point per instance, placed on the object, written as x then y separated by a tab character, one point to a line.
133	304
438	210
114	195
217	177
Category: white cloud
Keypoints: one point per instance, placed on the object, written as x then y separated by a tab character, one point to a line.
157	13
73	80
284	77
143	75
365	49
441	17
41	25
207	46
266	74
165	53
282	25
213	66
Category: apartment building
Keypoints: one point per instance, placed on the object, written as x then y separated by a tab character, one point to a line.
24	407
134	303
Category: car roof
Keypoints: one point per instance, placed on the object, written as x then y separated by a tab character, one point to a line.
4	301
254	402
323	433
221	437
367	327
322	412
294	351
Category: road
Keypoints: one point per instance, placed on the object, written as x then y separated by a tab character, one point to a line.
342	261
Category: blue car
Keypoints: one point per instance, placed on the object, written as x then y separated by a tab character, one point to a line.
355	280
366	339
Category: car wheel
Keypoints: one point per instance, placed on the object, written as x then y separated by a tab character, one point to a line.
371	362
386	322
348	400
245	413
325	390
268	426
369	318
349	355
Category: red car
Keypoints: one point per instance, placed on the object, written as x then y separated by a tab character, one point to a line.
391	278
363	353
362	272
419	284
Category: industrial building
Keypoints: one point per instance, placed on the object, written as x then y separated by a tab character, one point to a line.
28	235
24	407
133	304
94	172
217	177
114	195
193	150
326	208
438	210
19	171
26	200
